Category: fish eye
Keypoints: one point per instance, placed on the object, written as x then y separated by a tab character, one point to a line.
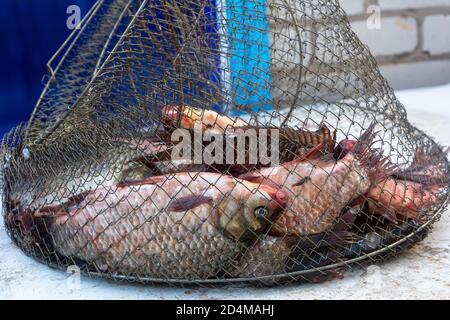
261	212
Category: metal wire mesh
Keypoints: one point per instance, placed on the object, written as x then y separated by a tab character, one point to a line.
88	181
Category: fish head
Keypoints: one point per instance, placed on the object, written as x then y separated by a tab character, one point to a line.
250	209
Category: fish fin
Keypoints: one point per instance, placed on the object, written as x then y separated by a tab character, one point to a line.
320	240
380	167
54	211
187	203
313	154
419	174
365	141
302	182
301	259
325	133
254	176
325	248
306	138
332	142
417	177
144	182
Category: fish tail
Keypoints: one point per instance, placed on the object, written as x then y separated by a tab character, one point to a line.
19	218
27	231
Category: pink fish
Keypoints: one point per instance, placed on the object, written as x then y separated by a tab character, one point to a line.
319	187
182	226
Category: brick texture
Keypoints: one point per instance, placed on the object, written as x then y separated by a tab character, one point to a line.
436	30
414	36
352	7
398	35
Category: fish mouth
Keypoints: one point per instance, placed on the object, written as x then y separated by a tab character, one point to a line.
277	195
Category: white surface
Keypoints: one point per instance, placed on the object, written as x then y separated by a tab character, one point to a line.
421	273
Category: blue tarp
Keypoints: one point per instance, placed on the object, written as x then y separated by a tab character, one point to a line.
30	32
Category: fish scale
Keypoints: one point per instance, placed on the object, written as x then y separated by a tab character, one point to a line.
311	211
313	180
108	230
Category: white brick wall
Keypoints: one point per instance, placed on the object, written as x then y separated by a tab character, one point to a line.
352	6
413	44
437	34
398	35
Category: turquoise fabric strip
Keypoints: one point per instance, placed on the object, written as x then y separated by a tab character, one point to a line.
249	50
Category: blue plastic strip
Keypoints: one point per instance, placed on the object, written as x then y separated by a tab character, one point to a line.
249	49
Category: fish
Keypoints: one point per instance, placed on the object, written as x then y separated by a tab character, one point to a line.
319	186
209	121
291	143
212	122
406	193
398	199
185	226
423	169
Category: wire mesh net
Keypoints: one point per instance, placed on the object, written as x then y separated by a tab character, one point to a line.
208	142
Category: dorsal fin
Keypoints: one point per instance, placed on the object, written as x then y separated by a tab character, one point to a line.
313	154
